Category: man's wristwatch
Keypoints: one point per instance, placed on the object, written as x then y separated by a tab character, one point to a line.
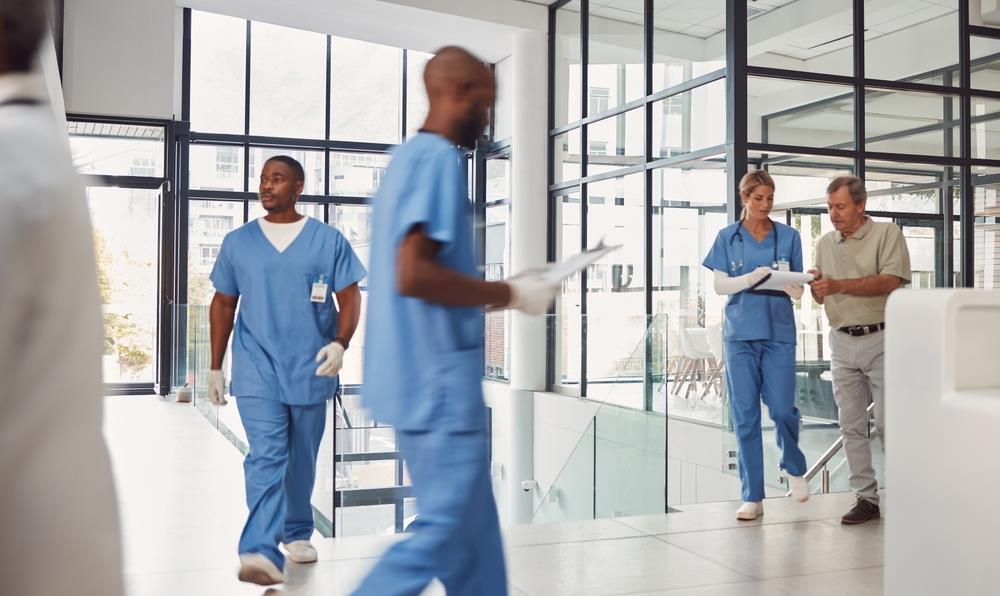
342	341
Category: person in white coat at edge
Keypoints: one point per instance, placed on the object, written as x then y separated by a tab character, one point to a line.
59	528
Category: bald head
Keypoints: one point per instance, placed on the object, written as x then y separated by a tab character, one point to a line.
461	92
453	67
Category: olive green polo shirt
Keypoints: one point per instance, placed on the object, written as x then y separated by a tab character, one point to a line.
877	248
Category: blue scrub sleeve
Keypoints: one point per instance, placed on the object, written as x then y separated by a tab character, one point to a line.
718	257
347	267
223	274
796	251
433	198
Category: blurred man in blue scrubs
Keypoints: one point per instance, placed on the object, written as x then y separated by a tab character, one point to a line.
424	360
284	270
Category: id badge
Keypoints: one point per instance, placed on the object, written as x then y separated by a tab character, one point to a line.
320	289
783	265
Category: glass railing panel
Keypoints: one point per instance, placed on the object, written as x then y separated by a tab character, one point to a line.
617	466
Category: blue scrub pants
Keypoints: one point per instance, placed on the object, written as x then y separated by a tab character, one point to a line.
456	538
765	370
279	473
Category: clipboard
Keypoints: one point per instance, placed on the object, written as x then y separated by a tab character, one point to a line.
777	280
557	272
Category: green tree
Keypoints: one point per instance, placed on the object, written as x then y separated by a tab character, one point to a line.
121	334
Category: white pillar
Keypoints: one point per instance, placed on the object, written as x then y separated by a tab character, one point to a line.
529	179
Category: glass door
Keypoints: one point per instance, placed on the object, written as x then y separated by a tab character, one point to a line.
126	246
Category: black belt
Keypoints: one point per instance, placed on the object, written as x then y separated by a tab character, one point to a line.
859	330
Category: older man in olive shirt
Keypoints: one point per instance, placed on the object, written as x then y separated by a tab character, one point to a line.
857	266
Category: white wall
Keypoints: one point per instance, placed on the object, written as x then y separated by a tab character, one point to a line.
49	67
122	57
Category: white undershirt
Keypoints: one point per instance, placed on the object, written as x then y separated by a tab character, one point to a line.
280	235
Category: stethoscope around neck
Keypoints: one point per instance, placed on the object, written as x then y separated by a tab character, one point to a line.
735	265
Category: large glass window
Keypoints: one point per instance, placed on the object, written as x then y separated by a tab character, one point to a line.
568	64
287	82
616	320
615	55
355	223
985	55
689	208
356	174
690	121
569	321
986	245
803	36
416	93
787	112
567	154
312	165
616	142
365	91
117	149
985	128
218	73
216	167
919	36
497	263
914	123
681	47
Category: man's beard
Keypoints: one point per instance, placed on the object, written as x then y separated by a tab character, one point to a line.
469	131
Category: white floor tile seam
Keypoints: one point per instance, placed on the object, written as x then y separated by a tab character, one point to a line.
680	591
865	527
748	578
761	580
620	538
745	526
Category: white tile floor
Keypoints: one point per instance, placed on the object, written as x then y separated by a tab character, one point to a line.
181	491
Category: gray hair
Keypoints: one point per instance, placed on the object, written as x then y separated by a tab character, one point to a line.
22	27
855	186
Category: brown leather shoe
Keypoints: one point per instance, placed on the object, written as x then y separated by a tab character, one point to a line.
861	512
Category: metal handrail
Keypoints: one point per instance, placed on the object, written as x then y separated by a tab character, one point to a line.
825	459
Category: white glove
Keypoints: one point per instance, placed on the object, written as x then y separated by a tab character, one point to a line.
794	290
332	358
755	276
217	387
531	293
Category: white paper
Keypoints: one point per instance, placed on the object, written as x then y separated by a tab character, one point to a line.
556	272
780	279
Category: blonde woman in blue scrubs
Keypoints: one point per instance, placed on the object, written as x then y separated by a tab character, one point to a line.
759	334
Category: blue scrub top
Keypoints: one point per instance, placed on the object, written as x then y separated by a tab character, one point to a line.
278	328
423	361
754	316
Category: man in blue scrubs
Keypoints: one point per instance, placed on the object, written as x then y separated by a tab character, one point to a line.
283	270
424	361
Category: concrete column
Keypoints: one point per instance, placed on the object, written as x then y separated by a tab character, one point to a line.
529	178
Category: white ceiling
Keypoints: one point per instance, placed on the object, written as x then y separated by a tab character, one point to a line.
697	18
486	27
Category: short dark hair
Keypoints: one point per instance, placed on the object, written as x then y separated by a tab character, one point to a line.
22	27
300	173
855	186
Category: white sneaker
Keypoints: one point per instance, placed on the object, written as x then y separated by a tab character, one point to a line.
301	551
750	511
800	488
257	569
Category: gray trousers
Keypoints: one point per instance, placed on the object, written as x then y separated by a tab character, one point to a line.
859	379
